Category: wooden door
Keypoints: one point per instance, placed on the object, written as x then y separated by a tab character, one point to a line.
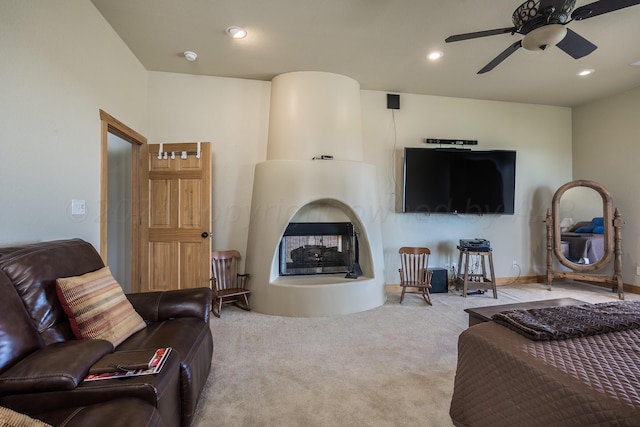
175	229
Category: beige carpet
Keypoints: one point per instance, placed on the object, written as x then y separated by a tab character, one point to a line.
390	366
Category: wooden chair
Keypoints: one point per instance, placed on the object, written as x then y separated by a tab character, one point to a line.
228	285
414	272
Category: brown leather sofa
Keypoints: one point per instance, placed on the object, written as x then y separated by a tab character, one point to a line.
42	364
126	411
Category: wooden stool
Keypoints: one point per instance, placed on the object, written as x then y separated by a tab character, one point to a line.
475	280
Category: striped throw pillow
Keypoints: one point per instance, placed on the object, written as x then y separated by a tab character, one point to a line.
97	307
10	418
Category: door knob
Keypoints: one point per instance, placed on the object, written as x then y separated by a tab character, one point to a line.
205	234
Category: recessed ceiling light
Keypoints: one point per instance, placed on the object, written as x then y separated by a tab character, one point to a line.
437	54
637	63
584	73
190	56
236	32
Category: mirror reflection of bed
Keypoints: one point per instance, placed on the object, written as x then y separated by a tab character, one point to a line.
579	207
583	242
584	235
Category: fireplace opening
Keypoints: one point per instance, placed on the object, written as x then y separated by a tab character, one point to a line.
310	248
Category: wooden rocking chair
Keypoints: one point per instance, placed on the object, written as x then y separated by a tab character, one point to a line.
228	285
414	272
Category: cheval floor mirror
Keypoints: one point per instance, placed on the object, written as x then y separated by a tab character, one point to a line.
592	246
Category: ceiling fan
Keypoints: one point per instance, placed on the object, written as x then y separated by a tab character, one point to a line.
542	22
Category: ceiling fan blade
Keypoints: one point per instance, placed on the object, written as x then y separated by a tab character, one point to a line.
477	34
576	45
601	7
498	59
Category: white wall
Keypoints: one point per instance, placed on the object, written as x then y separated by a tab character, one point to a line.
233	114
61	63
606	149
541	135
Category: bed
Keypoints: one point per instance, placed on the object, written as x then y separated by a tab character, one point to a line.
572	376
584	242
583	248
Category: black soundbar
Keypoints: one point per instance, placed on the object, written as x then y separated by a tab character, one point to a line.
451	141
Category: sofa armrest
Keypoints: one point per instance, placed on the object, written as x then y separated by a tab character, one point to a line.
58	366
163	305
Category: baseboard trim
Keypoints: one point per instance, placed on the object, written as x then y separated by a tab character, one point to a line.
522	280
626	287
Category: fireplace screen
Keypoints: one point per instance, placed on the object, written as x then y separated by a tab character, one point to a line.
317	248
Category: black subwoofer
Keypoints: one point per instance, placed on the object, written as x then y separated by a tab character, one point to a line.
439	282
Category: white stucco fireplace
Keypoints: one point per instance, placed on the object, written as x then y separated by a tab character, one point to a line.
314	114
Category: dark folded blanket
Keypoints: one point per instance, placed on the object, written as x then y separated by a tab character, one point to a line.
572	321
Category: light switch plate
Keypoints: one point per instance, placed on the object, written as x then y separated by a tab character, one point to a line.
78	207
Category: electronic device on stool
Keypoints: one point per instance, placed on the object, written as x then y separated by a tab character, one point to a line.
477	245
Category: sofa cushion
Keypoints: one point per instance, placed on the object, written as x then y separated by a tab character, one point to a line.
190	338
164	305
161	390
17	334
9	418
97	307
58	366
33	270
126	411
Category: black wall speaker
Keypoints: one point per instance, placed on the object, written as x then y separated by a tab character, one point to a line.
393	101
439	281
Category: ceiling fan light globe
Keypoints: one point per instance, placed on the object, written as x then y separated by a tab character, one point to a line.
547	35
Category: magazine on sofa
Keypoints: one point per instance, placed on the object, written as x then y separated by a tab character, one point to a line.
122	364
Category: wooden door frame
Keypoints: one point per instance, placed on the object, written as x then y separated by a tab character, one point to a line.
109	124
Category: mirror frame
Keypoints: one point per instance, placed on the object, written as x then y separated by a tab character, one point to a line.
607	211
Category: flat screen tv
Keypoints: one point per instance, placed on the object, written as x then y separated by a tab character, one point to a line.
449	180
